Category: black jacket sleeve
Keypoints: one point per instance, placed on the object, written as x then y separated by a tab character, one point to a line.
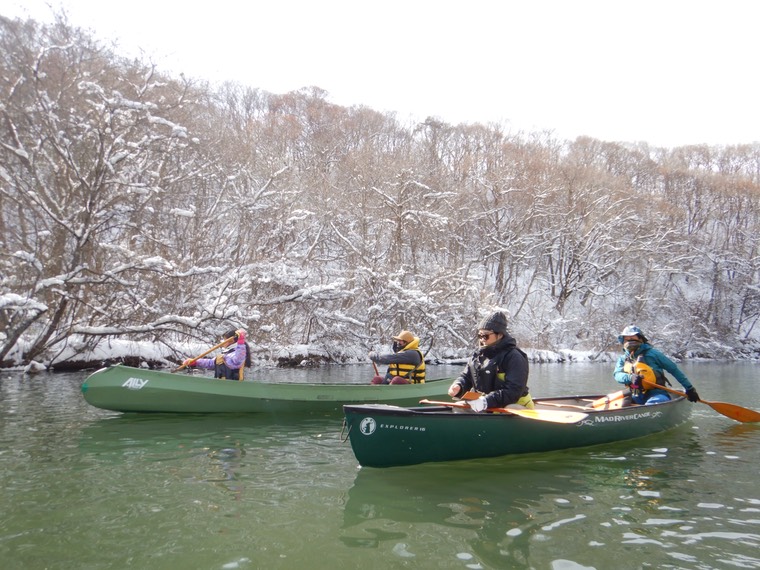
514	364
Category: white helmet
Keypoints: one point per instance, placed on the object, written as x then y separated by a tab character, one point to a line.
631	330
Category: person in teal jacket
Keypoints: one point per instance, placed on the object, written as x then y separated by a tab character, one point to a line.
636	348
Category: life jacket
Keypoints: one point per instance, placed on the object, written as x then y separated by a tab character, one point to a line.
221	370
636	365
416	374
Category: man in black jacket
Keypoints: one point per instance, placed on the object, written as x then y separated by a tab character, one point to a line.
498	370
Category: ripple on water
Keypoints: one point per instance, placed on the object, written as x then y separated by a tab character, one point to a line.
662	522
750	501
401	550
514	532
236	563
561	564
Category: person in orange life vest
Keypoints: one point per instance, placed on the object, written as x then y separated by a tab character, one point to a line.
636	348
498	370
231	363
406	365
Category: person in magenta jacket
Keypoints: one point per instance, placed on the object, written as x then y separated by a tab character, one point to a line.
231	363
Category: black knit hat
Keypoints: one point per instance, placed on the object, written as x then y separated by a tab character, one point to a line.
496	322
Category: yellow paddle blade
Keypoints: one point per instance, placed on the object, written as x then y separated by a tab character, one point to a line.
556	416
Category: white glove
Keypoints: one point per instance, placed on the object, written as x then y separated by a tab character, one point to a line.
478	405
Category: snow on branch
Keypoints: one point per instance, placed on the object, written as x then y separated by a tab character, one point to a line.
317	292
13	301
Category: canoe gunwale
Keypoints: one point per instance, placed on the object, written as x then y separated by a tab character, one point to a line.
437	410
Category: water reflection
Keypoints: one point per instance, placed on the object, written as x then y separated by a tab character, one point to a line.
520	512
226	466
151	432
96	489
738	436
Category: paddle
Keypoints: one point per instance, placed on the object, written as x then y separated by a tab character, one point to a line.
556	405
732	411
210	350
554	416
377	378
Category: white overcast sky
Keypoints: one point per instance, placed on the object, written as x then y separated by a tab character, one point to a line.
668	72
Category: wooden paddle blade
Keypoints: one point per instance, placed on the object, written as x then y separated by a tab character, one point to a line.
556	416
744	415
471	395
734	412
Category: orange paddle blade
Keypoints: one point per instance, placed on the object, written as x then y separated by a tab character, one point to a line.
471	395
734	412
744	415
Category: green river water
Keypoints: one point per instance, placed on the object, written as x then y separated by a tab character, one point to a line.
83	488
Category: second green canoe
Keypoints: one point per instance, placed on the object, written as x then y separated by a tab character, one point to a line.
126	389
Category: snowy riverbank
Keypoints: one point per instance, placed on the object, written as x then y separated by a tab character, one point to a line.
154	355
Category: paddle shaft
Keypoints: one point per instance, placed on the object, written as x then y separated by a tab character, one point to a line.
555	404
209	351
649	385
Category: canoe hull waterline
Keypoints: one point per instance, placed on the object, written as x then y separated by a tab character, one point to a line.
126	389
387	436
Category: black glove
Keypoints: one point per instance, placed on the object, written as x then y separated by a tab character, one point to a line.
692	395
636	381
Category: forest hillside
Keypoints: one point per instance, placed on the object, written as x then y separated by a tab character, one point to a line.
140	209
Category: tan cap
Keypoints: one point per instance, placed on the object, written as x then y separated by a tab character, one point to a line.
404	336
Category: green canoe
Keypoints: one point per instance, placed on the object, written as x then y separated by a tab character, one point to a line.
386	436
125	389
